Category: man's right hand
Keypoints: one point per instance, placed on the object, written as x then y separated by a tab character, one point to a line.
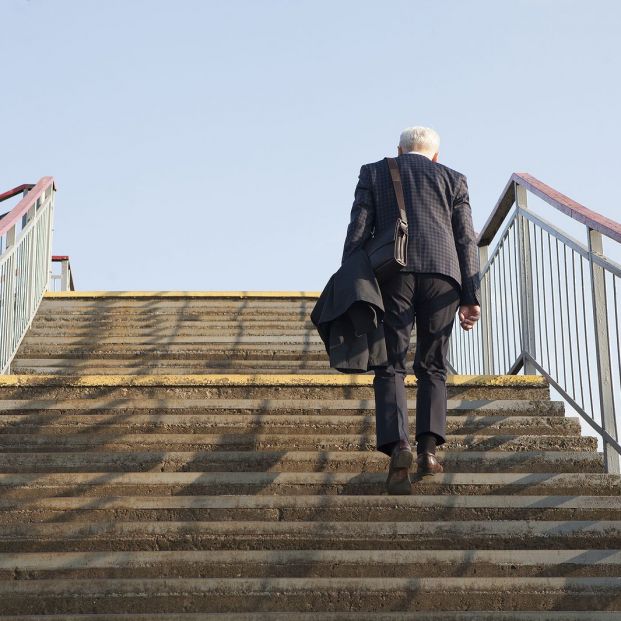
469	314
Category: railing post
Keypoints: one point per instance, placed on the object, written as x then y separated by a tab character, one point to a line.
486	314
50	233
602	349
526	283
32	262
8	294
64	276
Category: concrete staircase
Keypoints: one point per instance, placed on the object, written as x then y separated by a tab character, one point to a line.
184	457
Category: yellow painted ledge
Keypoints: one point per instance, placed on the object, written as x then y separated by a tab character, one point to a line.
254	380
180	294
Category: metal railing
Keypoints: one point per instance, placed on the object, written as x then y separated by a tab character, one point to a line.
550	305
25	259
64	280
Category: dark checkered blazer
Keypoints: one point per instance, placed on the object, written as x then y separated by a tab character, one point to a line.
441	234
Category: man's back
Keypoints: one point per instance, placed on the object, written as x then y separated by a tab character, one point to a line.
441	235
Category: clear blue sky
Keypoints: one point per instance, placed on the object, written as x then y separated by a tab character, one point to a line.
216	145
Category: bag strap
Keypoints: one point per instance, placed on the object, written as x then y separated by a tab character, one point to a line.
398	186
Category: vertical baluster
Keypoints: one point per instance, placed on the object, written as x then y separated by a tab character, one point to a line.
503	305
586	343
486	315
514	288
9	299
539	302
615	305
561	315
575	305
570	342
545	304
553	310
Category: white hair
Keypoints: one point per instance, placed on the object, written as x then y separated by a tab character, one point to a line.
422	139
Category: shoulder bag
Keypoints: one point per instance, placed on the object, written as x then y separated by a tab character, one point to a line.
388	251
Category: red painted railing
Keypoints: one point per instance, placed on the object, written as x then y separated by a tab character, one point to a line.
15	191
36	191
66	273
566	205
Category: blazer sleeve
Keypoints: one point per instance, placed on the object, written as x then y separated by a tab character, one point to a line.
465	243
362	215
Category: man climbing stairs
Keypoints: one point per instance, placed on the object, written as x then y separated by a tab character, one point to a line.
176	456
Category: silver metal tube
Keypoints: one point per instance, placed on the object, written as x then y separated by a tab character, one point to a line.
578	357
602	350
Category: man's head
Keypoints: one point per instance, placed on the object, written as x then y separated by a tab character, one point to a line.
420	139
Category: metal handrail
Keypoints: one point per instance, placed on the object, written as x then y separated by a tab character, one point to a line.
22	208
25	260
549	305
66	274
566	205
20	189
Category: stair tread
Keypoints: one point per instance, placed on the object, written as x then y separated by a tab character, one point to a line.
135	481
454	405
136	558
324	502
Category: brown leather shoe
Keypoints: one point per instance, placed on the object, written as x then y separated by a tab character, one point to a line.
398	480
428	463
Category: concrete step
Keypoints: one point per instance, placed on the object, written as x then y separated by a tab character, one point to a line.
142	317
316	535
60	342
187	351
230	315
98	565
39	485
155	328
147	320
317	594
181	302
282	407
476	615
257	386
177	300
205	423
364	508
165	456
254	441
293	461
158	366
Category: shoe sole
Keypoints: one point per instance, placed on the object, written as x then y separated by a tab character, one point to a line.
426	473
402	459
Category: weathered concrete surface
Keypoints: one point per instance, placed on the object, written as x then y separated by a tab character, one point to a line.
262	441
292	461
30	486
297	407
367	508
296	594
311	564
254	386
331	616
304	535
168	453
267	423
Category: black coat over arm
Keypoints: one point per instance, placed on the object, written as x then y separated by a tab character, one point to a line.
348	316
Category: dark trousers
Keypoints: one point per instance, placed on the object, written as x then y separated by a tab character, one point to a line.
430	300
